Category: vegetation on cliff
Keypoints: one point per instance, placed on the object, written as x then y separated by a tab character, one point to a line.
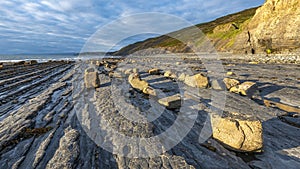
271	28
221	32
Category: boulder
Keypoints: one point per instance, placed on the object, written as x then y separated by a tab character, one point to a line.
128	71
91	78
230	73
248	89
181	77
20	63
218	85
136	82
238	134
135	70
230	83
115	74
170	74
171	102
154	71
245	89
33	62
99	63
234	89
197	80
149	90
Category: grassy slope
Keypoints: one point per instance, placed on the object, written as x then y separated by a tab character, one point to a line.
222	40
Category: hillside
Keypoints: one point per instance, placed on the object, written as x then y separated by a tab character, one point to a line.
274	27
233	24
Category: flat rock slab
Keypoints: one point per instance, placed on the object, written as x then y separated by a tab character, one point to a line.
287	96
171	102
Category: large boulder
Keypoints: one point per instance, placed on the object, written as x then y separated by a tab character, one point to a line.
238	134
136	82
197	80
91	78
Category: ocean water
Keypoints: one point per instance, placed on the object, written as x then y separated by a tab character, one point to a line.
45	58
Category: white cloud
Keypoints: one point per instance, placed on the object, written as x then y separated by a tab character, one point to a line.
67	24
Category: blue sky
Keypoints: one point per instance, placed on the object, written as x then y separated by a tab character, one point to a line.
58	26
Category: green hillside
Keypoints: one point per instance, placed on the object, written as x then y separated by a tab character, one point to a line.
221	32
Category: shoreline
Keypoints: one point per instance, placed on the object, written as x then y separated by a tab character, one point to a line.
37	103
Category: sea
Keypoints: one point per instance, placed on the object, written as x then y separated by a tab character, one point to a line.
47	57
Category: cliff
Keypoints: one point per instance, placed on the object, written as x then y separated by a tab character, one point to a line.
271	28
274	28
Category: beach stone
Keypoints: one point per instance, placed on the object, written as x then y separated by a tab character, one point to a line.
91	78
248	89
218	85
149	90
154	71
136	82
230	73
245	89
128	71
253	63
20	63
98	63
181	77
234	89
33	62
171	102
115	74
135	70
230	83
197	80
238	134
170	74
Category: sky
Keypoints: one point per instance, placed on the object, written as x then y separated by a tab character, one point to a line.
63	26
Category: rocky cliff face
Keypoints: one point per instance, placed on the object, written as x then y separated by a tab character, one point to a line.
274	27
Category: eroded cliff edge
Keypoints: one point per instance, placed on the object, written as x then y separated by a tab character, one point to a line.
274	28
